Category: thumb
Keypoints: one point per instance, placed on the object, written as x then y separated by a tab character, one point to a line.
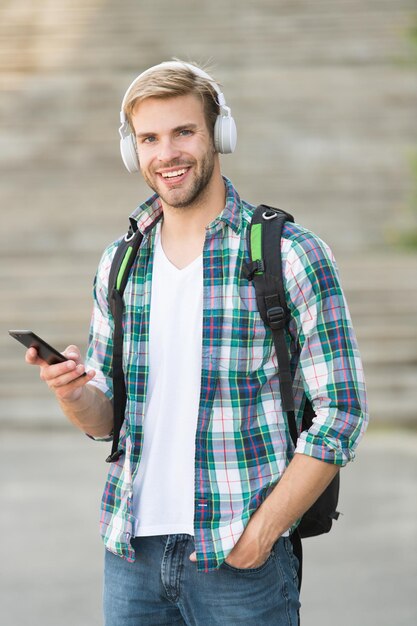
73	353
193	557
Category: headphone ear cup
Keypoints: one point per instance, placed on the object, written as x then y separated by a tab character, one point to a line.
128	152
225	134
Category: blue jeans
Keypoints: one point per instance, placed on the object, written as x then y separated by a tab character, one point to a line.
163	588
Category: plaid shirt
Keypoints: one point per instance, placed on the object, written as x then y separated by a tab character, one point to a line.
243	443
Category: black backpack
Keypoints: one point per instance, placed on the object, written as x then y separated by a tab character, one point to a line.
265	270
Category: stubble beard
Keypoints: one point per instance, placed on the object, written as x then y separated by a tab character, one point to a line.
195	194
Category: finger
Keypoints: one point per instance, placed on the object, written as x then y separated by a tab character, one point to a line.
193	557
32	357
52	372
77	380
71	390
72	352
63	374
64	386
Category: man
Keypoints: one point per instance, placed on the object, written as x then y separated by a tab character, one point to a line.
196	513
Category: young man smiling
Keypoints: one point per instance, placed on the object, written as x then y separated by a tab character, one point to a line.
196	513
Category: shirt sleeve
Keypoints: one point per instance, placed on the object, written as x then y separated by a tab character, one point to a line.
330	363
100	342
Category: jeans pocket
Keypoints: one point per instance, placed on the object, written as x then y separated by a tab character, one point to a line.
249	570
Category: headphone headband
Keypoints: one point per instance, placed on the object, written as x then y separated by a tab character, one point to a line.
225	134
174	65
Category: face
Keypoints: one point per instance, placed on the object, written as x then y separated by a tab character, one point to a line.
175	149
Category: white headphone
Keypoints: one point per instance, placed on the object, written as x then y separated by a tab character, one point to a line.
225	134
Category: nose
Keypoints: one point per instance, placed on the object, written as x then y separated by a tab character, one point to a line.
168	151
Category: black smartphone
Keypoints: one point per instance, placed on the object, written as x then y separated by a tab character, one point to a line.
46	352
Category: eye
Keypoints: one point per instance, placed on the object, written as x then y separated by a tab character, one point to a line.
185	132
140	139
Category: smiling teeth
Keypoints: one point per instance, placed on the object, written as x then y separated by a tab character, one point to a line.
173	174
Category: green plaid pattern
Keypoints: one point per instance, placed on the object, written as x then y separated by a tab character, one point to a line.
242	443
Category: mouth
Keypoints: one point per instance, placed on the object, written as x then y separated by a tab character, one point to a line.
174	176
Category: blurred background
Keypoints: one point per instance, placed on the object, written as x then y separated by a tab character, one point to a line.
324	95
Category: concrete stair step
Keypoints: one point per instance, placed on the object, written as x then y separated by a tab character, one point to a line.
390	351
43	412
375	320
26	401
35	36
368	271
388	376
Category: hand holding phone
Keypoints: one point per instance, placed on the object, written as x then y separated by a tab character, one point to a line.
45	351
86	406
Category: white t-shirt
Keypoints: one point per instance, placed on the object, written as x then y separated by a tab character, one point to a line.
163	489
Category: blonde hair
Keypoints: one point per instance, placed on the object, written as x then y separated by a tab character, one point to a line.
168	82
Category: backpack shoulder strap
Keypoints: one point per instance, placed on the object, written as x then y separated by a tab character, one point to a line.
265	269
123	260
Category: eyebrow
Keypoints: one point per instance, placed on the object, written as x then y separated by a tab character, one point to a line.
177	129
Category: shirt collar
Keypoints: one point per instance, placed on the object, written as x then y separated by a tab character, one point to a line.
149	213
